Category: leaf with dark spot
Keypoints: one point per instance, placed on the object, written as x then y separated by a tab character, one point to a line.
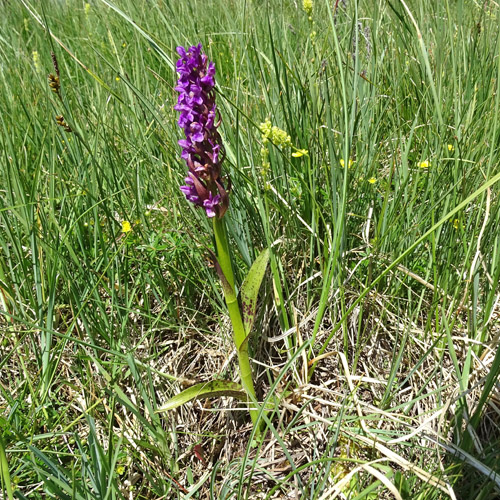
250	289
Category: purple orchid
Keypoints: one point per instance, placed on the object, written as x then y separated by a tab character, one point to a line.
202	148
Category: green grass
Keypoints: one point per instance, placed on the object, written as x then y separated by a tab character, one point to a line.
380	311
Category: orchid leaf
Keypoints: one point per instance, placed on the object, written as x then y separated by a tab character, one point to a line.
250	289
203	391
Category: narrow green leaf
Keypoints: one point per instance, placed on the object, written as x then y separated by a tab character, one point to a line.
203	391
250	289
143	32
4	471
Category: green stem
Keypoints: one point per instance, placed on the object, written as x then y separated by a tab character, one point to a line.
239	334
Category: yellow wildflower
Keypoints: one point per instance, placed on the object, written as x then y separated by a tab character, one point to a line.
342	162
307	5
372	180
265	128
299	153
36	61
280	137
424	164
451	148
126	227
274	134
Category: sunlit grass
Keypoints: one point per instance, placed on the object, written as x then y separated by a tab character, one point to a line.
378	327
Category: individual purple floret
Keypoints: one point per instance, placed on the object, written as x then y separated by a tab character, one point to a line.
202	148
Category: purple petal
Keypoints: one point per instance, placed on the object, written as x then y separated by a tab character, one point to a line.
215	154
208	79
197	132
210	204
211	117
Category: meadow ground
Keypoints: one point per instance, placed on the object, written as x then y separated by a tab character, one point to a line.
375	345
